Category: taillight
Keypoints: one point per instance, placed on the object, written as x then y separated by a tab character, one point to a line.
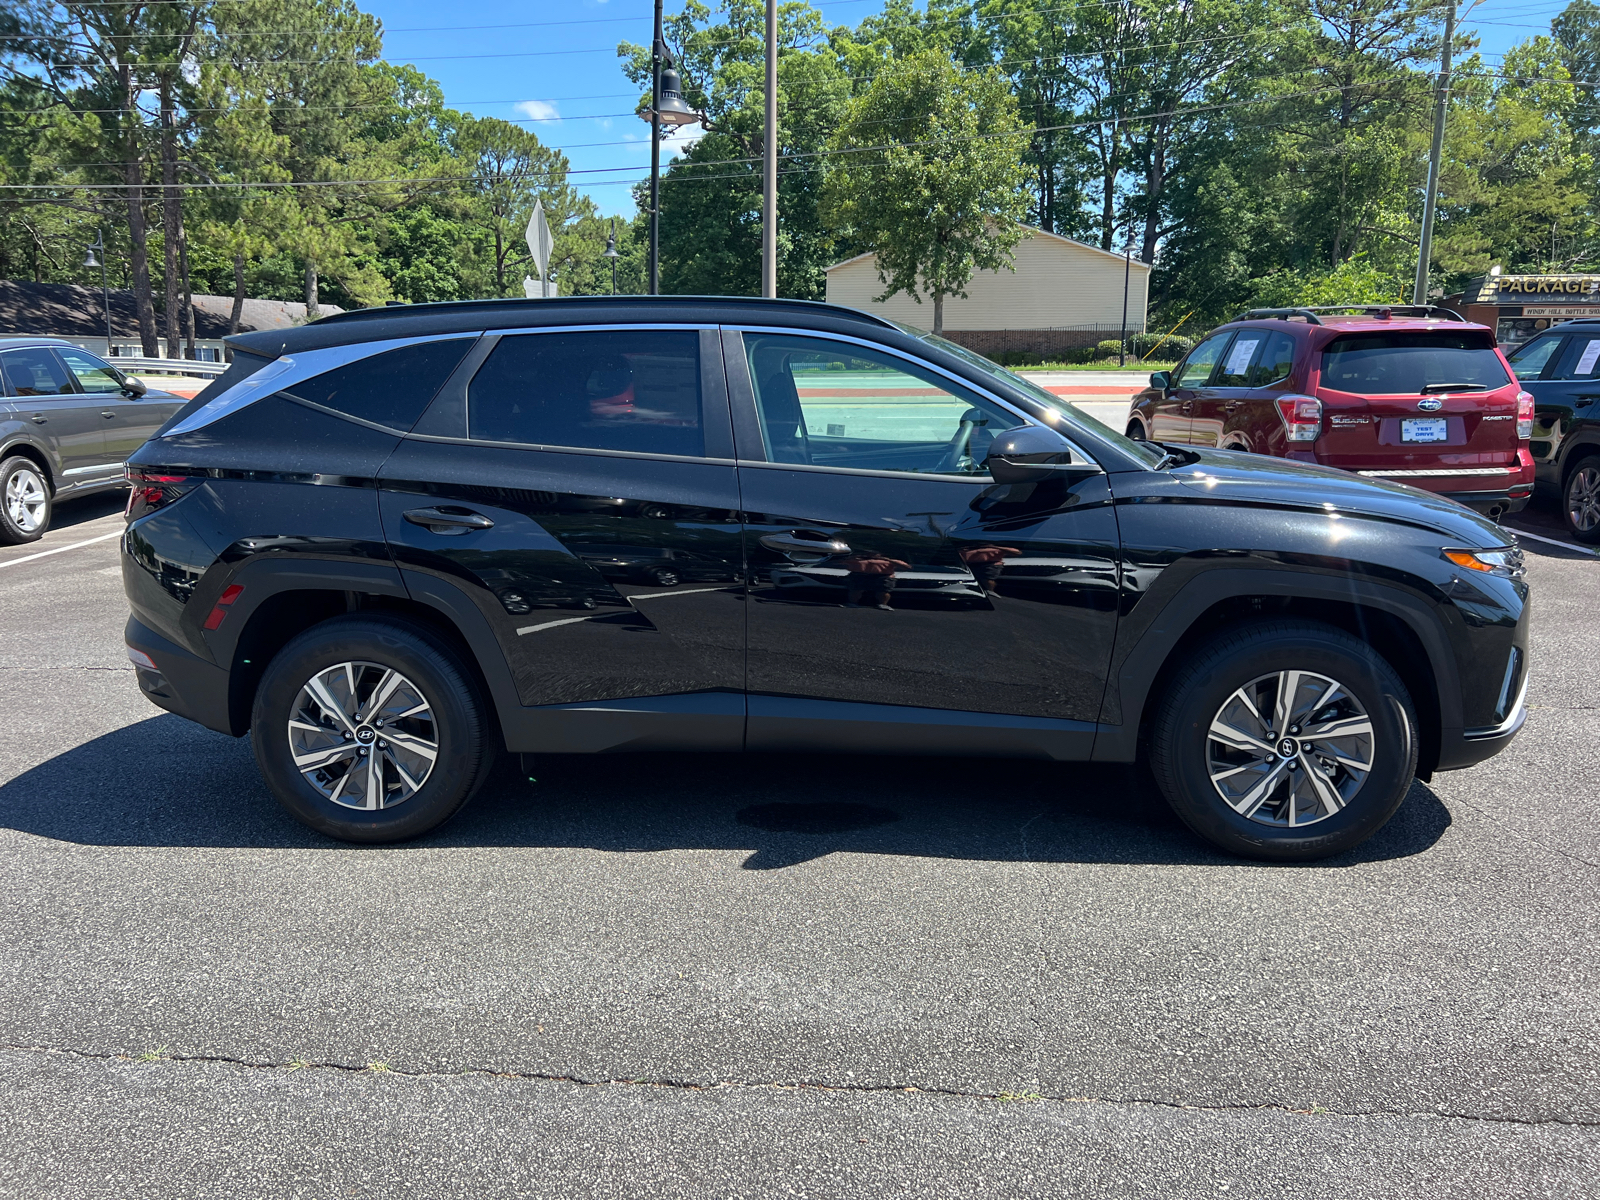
149	490
1524	416
1302	417
219	611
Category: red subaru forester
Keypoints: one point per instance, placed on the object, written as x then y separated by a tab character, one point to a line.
1415	395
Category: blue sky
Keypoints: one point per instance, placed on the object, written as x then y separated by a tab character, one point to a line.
553	68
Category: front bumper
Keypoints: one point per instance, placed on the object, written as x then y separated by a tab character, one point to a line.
180	682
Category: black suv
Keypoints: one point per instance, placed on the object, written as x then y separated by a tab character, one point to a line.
1561	367
392	543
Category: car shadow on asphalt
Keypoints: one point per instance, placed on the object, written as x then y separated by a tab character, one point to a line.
167	782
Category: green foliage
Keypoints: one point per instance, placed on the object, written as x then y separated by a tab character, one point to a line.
1354	281
925	172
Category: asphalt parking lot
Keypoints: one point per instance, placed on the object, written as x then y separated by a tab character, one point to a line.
636	976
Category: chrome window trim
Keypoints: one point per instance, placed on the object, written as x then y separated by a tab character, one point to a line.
876	472
1008	405
644	454
297	368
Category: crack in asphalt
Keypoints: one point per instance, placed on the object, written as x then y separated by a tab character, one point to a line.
378	1068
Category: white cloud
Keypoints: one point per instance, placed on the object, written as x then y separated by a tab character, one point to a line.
538	110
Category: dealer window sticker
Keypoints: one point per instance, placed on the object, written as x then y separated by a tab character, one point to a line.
1243	351
1587	359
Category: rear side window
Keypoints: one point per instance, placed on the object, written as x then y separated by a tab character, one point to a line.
607	390
1531	358
1235	370
388	389
1275	362
35	372
1580	359
1197	367
1410	362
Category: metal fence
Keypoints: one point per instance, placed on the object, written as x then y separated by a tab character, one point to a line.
168	366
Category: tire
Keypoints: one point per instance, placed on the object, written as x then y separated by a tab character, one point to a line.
380	652
1580	500
1136	431
666	578
1331	812
25	504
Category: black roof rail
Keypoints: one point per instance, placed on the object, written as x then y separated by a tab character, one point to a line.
391	309
1257	314
1397	310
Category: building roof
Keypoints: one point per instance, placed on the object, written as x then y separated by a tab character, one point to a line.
70	310
1033	231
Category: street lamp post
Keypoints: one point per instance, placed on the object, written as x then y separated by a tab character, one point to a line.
667	107
99	244
1127	269
611	253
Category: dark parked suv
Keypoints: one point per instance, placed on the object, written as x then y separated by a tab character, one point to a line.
1561	368
392	543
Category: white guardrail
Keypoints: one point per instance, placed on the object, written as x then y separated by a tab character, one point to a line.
167	366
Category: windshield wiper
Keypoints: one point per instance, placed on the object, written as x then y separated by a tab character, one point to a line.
1454	387
1172	456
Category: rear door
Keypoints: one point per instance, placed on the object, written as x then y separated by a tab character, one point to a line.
1216	403
551	464
1253	423
45	394
1172	417
1436	400
1562	371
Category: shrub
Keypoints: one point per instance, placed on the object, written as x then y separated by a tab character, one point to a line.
1170	348
1109	348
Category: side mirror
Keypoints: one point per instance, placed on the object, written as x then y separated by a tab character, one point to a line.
131	386
1162	380
1030	453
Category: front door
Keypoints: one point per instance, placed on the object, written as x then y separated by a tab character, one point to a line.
586	502
1174	416
1216	404
887	568
128	422
43	393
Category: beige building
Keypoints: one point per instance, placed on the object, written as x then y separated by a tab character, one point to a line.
1062	294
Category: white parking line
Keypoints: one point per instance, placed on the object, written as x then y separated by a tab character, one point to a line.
59	549
1522	533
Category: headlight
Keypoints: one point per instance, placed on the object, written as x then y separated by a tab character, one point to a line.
1505	561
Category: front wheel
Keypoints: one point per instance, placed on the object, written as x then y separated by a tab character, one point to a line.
1580	501
1136	431
24	501
369	729
1285	741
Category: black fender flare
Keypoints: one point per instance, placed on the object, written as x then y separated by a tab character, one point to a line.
1137	672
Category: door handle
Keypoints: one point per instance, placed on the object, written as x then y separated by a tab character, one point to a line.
108	415
37	418
805	543
1186	408
1232	405
448	521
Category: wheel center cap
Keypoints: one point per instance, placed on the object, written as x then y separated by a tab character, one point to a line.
1288	747
366	734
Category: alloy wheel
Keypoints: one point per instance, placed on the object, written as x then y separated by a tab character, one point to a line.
1583	498
363	735
1290	749
25	500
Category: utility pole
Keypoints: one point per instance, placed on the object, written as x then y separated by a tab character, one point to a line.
1441	105
769	163
1127	269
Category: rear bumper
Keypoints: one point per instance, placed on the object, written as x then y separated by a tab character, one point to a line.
1486	489
181	683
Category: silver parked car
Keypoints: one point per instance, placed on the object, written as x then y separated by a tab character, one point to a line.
68	421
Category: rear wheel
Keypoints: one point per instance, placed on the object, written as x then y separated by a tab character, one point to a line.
1286	741
665	578
370	730
24	501
1136	431
1580	500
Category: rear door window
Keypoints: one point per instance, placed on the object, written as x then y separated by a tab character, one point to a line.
633	390
1411	362
35	372
1202	360
389	389
1530	359
1580	359
1275	362
1235	369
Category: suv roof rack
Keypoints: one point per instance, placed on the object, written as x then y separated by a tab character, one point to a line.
391	310
1377	310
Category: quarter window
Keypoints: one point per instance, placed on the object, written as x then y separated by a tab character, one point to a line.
837	405
1275	362
606	390
389	389
1198	366
35	372
94	376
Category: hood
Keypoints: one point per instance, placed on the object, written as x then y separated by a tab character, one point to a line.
1284	483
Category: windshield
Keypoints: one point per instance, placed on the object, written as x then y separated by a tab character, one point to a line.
1410	362
1050	400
